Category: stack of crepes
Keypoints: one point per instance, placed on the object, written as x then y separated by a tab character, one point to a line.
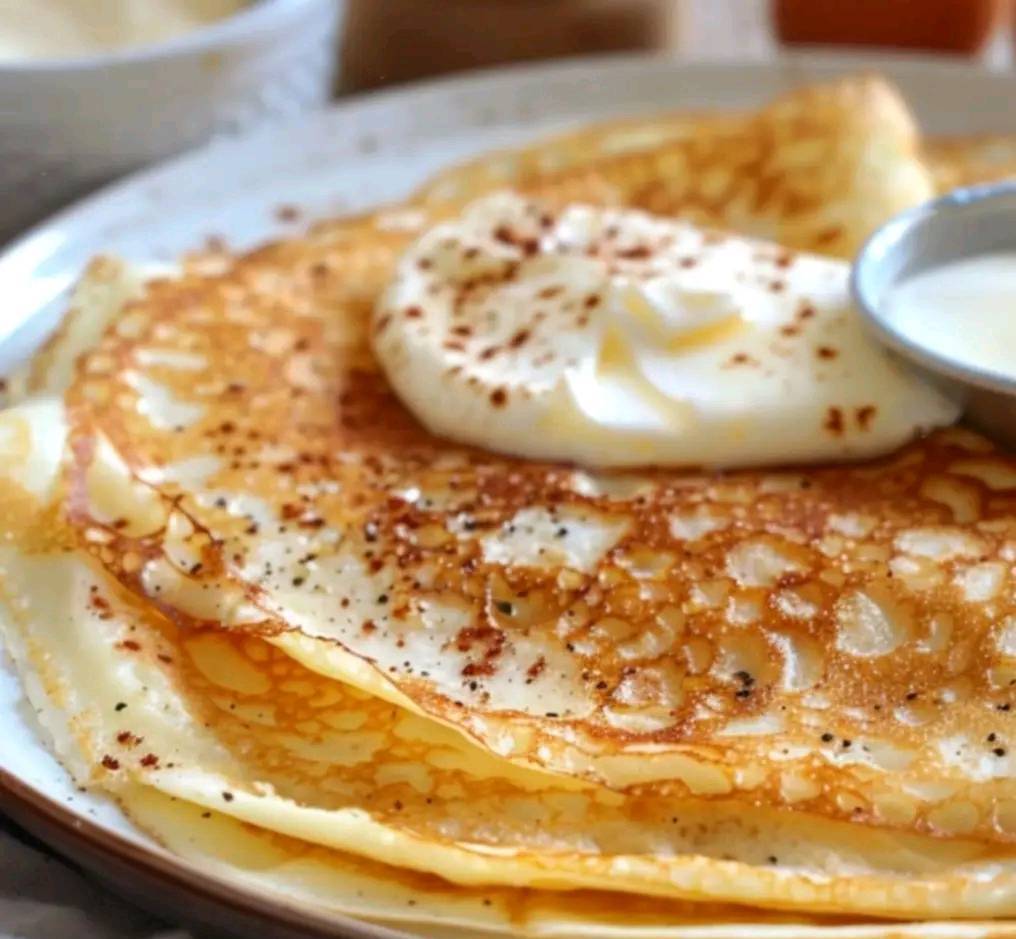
309	646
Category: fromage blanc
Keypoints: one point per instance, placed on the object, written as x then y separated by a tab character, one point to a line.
616	338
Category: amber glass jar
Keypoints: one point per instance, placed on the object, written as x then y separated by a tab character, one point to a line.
960	26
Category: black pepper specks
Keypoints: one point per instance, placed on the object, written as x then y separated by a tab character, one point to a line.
747	681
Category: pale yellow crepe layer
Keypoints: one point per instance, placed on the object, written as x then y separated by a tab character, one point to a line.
223	722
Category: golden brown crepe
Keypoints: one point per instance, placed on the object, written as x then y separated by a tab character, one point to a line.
383	674
817	170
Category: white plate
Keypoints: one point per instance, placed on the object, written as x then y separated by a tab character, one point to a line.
369	150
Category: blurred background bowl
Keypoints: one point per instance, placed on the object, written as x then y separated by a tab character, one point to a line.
69	125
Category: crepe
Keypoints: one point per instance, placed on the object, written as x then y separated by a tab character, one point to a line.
422	683
965	161
817	639
950	161
817	170
226	722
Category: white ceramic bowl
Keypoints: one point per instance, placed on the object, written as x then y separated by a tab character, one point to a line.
68	125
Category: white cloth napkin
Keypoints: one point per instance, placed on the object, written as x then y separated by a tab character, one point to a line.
42	898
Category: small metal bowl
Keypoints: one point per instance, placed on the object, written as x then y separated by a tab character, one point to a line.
966	223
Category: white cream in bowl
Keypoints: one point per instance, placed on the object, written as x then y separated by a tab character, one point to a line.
964	311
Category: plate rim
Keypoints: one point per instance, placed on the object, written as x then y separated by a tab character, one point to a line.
51	820
41	816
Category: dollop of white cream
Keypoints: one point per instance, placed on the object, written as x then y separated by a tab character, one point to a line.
615	338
